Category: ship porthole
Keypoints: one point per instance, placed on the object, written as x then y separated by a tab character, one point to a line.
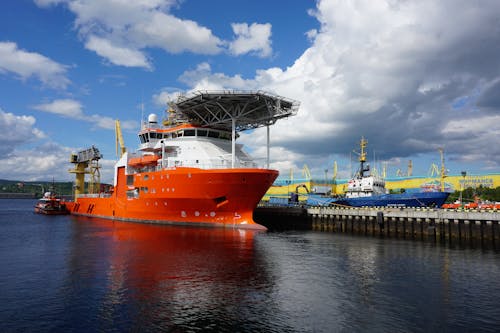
197	213
183	214
212	214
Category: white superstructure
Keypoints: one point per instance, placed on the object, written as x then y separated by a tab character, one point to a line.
189	146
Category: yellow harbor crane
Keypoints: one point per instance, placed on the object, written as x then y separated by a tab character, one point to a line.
86	162
334	178
433	170
443	169
306	173
119	140
408	173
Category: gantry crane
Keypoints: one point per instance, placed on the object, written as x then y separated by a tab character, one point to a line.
86	162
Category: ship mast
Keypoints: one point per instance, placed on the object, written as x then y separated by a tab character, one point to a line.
362	157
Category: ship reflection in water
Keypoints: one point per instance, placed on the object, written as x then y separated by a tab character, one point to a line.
167	277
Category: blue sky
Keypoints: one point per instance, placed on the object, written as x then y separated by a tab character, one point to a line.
411	76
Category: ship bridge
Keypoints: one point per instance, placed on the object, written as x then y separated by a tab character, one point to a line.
235	110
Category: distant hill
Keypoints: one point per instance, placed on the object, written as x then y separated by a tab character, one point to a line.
36	188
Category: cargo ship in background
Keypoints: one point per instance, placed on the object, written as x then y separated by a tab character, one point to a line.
367	190
188	168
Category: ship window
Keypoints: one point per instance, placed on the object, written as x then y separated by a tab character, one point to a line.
144	189
180	133
202	132
130	179
132	194
213	134
146	177
174	135
190	132
225	136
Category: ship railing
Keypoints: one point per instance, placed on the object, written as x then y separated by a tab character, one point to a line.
94	195
206	164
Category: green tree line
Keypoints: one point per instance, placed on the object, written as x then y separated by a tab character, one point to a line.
470	193
39	188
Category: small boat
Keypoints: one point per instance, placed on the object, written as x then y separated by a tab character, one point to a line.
50	204
367	190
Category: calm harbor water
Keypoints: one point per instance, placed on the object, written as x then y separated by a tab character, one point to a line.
71	274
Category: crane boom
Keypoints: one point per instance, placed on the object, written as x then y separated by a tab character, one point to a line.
119	139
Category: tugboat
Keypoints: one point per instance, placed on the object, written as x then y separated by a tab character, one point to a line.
50	204
365	190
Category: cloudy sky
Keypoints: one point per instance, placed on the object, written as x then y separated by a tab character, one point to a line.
410	76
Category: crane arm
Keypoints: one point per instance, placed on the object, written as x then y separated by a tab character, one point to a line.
119	139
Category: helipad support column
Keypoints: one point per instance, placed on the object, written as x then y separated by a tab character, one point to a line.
267	146
233	141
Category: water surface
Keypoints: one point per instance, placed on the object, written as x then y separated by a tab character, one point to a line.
61	273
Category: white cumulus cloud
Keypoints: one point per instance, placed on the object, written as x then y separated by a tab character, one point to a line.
254	38
73	109
28	65
16	131
404	74
121	56
122	31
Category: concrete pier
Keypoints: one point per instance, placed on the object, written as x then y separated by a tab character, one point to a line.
283	218
467	227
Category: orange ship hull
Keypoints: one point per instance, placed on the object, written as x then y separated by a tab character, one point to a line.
192	196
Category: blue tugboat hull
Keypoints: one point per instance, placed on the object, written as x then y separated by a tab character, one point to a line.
419	199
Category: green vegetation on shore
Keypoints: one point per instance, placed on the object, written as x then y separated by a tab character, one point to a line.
38	187
469	194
